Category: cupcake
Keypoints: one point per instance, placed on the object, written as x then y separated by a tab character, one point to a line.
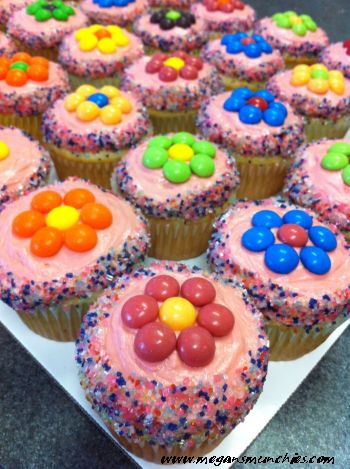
319	95
98	54
61	246
88	131
180	183
262	134
172	86
337	57
299	38
319	179
172	374
24	164
41	26
7	45
8	7
28	85
242	60
295	269
115	12
224	16
171	30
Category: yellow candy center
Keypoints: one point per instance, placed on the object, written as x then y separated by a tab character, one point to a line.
178	313
62	218
4	150
175	62
180	152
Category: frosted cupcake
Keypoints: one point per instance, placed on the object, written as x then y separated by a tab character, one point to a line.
224	16
172	374
319	95
299	38
98	54
118	12
8	7
242	60
7	45
88	131
171	30
28	85
60	247
180	183
41	26
262	134
172	86
337	57
294	267
182	4
24	164
319	179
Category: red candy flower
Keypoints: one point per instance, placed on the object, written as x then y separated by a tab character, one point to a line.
170	66
226	6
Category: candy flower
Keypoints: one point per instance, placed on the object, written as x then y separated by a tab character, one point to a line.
225	6
180	156
255	107
166	321
21	68
105	39
337	159
45	10
53	222
252	46
300	25
113	3
296	232
89	103
169	19
172	66
318	79
346	45
4	151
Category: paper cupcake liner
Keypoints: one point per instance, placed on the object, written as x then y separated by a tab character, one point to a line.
50	53
30	124
292	342
59	322
317	128
261	176
76	81
291	61
98	169
166	122
231	83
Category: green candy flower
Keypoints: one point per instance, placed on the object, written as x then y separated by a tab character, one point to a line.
300	25
44	10
180	156
337	159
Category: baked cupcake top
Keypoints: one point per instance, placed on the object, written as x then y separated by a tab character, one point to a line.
28	85
313	90
24	164
192	176
7	45
171	30
198	371
120	12
251	123
66	239
44	23
287	258
337	56
173	81
99	51
91	119
226	16
292	33
7	7
248	57
320	179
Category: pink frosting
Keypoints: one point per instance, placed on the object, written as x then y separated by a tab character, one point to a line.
300	280
328	183
200	11
7	46
338	53
17	257
89	7
23	160
231	350
144	24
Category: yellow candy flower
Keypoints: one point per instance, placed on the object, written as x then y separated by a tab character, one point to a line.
106	39
318	79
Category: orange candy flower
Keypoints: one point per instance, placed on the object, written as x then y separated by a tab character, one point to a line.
23	67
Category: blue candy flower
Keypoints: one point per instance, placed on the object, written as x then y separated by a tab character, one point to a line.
294	230
112	3
252	46
255	107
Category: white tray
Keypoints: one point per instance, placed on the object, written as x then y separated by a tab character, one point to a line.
282	380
